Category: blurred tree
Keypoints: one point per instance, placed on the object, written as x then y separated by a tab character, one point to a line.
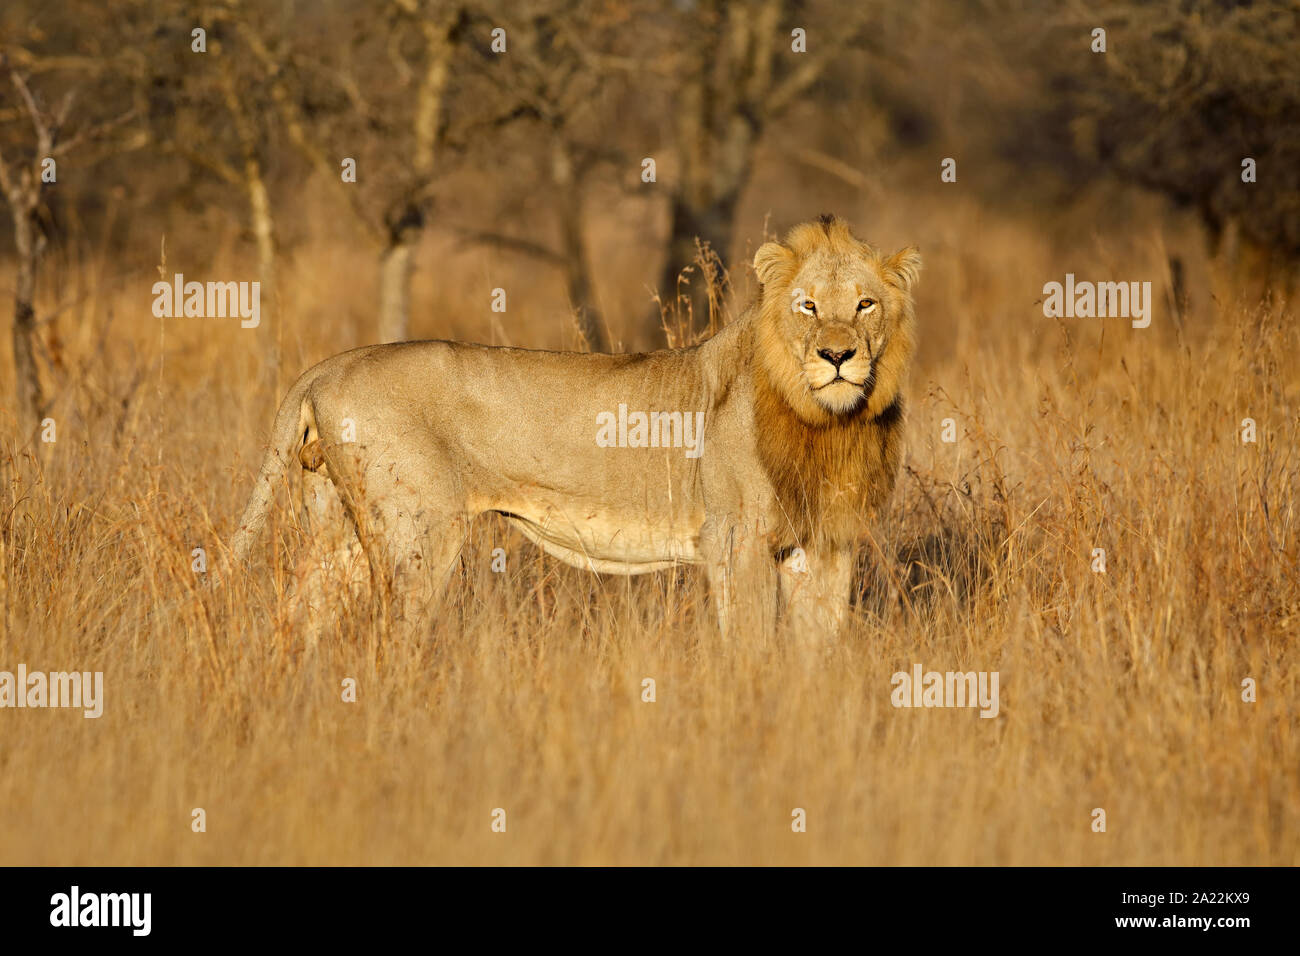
562	75
377	97
208	107
1184	93
34	138
738	67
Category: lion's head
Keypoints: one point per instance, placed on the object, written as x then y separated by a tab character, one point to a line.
837	325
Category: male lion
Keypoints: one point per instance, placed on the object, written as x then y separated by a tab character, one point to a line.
591	456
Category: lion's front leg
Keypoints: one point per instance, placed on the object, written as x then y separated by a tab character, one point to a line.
815	592
742	578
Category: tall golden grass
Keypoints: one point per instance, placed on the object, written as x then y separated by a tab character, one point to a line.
1119	690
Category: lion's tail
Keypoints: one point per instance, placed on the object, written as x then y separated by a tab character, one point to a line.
294	418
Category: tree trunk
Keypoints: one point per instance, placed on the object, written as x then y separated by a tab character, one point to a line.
712	222
27	381
577	268
1247	268
406	227
259	208
577	282
718	120
395	286
259	203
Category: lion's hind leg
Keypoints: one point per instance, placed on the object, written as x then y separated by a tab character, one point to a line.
411	522
428	556
332	568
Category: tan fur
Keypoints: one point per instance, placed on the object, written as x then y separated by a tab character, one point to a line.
829	469
802	405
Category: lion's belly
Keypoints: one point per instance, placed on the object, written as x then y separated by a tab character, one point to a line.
607	544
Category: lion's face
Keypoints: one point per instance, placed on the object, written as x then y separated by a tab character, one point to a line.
838	323
841	312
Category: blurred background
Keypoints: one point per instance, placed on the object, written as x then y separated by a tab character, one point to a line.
612	164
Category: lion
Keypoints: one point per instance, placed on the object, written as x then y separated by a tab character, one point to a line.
761	453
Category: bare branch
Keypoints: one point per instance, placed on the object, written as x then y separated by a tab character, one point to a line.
94	133
208	161
510	243
295	125
34	112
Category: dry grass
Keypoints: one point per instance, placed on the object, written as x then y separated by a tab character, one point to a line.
1119	691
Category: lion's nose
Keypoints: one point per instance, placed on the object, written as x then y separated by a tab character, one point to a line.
837	358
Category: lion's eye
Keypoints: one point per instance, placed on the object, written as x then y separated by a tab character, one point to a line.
810	306
866	305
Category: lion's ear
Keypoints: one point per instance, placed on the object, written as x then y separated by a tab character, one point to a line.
903	268
770	259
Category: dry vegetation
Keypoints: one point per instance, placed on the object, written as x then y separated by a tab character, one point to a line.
1119	691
